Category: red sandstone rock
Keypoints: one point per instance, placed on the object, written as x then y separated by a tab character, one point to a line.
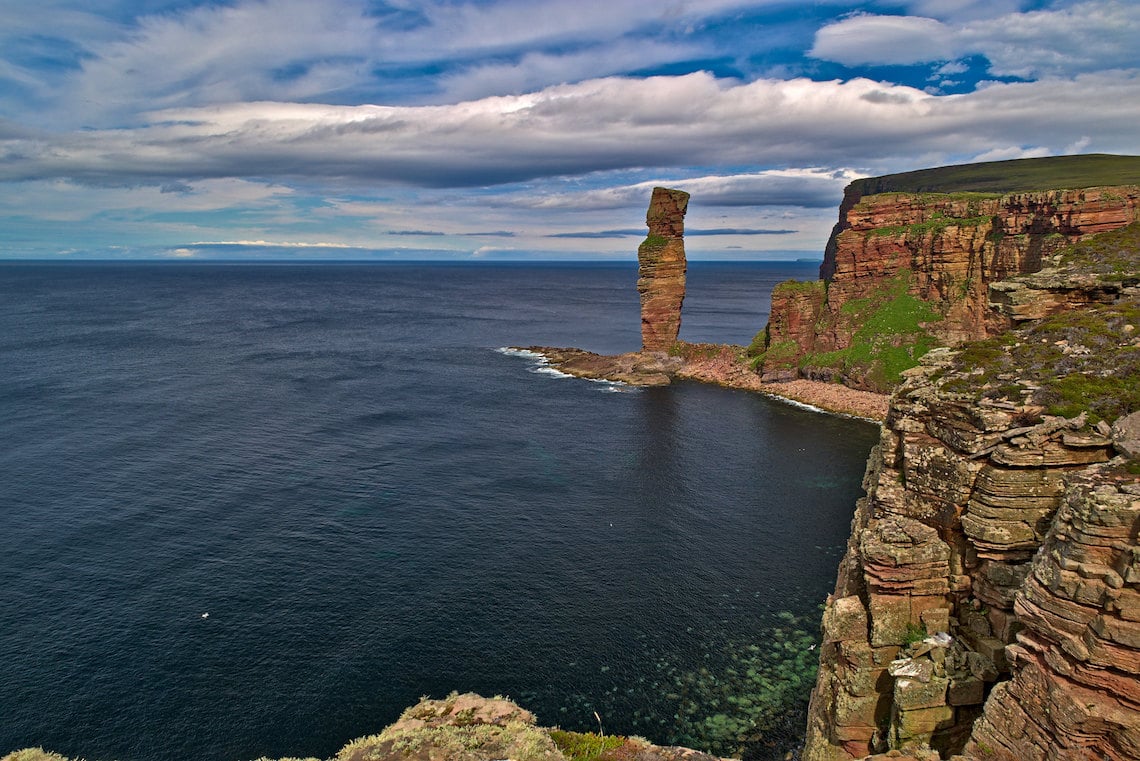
661	269
1006	528
950	248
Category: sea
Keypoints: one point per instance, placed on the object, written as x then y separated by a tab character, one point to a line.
258	509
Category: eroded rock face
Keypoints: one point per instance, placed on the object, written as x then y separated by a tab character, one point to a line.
1076	662
988	603
946	250
661	269
956	245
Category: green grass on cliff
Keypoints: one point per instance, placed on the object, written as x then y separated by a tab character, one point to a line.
936	224
783	354
1085	359
1073	362
1115	254
889	336
1018	175
653	244
587	746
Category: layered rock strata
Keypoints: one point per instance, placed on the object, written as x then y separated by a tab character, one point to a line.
661	269
989	601
943	251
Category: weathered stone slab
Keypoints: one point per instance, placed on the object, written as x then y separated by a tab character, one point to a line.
845	618
912	694
1049	454
966	691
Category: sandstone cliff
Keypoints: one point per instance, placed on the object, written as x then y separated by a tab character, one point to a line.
661	269
989	601
904	272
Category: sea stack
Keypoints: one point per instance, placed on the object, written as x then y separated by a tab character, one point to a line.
661	269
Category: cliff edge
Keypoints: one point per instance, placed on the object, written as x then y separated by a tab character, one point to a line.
988	604
469	727
909	264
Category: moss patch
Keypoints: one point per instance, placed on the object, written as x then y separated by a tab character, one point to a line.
1114	254
653	244
587	746
889	336
936	224
779	356
1071	362
798	288
33	754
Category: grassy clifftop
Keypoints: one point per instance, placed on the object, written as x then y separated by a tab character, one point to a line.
1016	176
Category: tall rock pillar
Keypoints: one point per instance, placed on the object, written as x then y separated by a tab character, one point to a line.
661	269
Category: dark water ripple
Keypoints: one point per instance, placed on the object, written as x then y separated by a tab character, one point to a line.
372	504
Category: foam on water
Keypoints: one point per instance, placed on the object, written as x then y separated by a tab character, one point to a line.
510	351
548	370
542	367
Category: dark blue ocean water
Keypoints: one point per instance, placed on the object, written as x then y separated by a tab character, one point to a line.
373	504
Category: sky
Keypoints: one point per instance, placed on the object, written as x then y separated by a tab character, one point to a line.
520	129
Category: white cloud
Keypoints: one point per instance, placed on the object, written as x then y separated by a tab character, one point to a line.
868	39
1086	37
962	10
299	50
287	49
273	244
535	70
592	126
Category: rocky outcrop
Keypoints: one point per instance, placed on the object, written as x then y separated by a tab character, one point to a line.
918	267
633	368
661	269
469	727
957	244
661	287
989	601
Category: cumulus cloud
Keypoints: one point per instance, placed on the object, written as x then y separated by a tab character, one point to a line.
597	125
1086	37
868	39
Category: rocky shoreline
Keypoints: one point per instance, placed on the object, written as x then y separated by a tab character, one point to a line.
720	364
